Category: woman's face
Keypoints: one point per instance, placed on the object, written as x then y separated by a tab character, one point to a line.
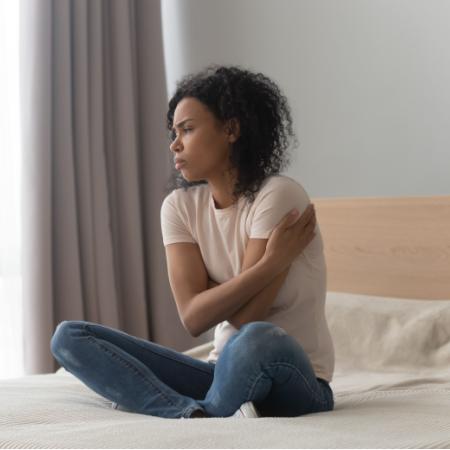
200	141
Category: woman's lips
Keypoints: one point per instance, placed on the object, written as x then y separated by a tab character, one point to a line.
180	164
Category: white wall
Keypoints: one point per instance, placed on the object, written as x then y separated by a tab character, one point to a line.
367	81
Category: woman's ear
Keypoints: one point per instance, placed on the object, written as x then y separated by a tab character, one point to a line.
233	130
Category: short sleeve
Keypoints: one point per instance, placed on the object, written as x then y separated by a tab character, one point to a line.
172	226
277	200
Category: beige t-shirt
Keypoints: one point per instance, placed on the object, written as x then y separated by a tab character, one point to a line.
222	236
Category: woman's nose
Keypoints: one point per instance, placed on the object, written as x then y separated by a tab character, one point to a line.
175	144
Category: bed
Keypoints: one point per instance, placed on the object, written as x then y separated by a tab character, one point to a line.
388	309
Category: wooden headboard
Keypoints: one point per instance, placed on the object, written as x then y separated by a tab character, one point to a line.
388	247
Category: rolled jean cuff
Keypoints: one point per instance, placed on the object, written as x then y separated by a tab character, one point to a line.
188	411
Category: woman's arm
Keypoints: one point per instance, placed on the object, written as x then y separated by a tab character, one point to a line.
257	308
212	284
285	239
206	309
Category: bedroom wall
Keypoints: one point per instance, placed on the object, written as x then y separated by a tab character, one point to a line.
367	82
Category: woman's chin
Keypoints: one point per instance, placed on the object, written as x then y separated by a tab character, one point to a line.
189	177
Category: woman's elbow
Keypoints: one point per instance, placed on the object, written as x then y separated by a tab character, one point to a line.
191	326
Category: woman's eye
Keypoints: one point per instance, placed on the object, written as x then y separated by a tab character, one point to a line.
184	129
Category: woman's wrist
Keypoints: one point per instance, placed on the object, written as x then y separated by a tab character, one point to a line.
274	266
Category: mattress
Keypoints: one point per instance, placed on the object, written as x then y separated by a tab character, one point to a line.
391	389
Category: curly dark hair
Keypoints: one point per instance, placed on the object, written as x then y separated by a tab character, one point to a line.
257	103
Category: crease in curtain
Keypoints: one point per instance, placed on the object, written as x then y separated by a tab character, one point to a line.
92	241
83	229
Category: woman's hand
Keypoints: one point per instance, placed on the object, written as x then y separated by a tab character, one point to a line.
289	239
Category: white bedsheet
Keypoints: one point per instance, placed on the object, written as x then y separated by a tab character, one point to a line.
58	411
400	405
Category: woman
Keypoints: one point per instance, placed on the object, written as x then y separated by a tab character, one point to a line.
273	354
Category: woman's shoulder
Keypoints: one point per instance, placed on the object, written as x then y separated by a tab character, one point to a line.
279	179
281	186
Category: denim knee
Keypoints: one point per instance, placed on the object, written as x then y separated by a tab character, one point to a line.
263	332
61	336
257	340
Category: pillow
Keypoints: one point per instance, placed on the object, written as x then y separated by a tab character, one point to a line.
383	334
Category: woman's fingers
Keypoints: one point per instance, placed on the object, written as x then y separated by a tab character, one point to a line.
312	220
307	221
310	228
306	216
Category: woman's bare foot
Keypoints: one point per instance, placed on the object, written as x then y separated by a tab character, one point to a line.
197	415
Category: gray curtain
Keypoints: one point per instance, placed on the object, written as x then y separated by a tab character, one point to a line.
95	163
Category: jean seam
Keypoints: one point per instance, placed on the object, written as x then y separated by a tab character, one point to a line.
154	351
292	367
254	385
157	388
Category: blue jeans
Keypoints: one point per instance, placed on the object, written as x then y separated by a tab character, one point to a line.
261	363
